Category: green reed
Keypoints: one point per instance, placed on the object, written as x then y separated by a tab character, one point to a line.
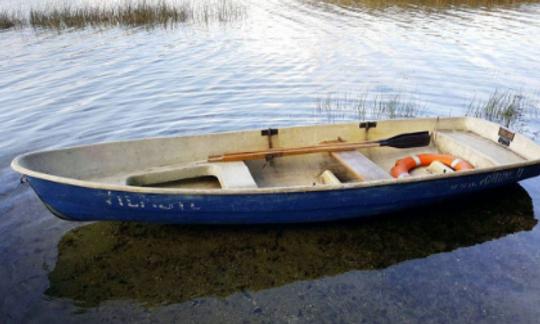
362	107
504	107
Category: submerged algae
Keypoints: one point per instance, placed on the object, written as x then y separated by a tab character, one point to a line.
160	264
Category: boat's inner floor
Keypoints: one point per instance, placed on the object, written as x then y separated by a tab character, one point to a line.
317	169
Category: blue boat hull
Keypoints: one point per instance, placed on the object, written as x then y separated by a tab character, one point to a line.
86	204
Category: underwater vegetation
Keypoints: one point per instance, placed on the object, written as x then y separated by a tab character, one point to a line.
163	264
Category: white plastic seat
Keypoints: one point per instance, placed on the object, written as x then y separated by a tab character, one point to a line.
231	175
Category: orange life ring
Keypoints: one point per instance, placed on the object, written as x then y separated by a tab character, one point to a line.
402	167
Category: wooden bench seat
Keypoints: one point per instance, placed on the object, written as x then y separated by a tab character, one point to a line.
360	166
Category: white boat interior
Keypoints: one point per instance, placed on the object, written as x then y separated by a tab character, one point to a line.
181	162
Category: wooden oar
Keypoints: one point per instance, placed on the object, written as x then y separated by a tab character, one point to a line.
407	140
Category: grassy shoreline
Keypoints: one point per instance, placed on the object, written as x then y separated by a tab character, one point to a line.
166	13
130	14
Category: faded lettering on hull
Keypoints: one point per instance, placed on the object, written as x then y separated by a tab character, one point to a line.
492	179
123	200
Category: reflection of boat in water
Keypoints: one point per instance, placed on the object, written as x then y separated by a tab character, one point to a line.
170	264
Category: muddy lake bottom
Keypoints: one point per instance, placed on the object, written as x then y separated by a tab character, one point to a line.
279	63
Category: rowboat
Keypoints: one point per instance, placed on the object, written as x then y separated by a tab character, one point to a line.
286	175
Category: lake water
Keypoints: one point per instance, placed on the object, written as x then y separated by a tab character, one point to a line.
268	69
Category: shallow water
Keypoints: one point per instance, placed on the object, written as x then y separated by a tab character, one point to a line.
269	69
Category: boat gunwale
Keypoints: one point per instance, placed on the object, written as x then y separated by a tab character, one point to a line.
16	166
270	190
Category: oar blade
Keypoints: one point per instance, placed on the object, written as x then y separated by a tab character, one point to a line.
417	139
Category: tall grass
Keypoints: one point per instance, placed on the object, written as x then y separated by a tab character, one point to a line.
504	107
363	107
130	14
9	20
